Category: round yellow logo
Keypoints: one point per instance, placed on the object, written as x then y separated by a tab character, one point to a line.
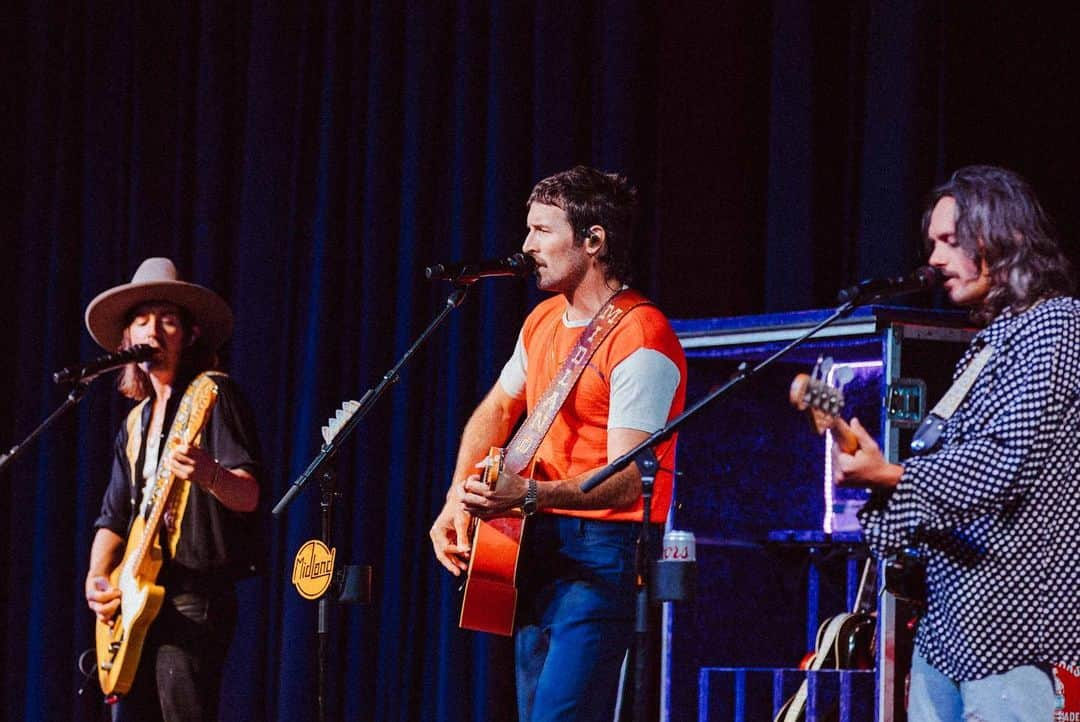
313	569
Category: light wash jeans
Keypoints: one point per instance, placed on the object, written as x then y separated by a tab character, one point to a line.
1023	694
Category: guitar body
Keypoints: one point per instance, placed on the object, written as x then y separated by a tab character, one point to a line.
119	647
843	642
489	602
853	647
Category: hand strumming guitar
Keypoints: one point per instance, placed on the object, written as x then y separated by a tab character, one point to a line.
102	598
864	466
450	534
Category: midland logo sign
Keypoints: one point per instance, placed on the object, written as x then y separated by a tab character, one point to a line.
313	569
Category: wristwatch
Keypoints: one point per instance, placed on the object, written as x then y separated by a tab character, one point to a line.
528	507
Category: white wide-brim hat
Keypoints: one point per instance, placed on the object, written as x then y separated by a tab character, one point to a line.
157	280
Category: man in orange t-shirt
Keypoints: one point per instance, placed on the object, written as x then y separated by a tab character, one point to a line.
576	573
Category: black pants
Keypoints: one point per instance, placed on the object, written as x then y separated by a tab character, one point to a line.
179	675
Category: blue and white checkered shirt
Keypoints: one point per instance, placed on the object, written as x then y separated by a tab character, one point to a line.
996	508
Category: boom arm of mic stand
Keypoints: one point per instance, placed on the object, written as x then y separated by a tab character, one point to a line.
737	378
370	397
78	390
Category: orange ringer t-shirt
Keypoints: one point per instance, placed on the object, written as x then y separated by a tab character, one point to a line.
636	379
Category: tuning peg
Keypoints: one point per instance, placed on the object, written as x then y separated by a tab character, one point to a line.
843	376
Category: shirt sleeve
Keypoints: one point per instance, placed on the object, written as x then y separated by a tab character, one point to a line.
115	512
643	386
512	378
215	538
994	454
230	431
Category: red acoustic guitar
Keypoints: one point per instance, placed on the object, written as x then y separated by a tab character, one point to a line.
490	597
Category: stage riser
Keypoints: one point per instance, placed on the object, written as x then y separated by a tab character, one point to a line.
752	695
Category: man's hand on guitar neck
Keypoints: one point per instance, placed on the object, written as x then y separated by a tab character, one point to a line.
866	465
481	501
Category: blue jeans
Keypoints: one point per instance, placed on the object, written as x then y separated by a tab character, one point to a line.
575	617
1023	694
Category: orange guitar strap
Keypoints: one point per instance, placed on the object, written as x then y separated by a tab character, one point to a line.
527	440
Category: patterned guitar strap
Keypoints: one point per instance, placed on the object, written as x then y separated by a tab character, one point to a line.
929	432
187	425
522	447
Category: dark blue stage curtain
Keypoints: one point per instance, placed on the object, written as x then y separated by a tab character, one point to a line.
308	159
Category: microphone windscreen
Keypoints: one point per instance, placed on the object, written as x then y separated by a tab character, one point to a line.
928	276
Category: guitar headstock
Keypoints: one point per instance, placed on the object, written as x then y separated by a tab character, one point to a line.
821	395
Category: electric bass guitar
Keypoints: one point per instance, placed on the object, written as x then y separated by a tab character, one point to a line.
822	398
489	600
845	641
119	644
821	395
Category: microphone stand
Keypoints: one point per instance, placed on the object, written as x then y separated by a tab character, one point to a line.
326	453
644	456
370	397
78	390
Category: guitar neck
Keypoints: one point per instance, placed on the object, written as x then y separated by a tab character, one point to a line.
843	436
190	418
867	588
162	490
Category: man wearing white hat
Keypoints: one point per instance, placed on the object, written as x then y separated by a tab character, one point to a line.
208	532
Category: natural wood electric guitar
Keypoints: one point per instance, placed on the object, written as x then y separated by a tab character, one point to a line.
490	592
119	645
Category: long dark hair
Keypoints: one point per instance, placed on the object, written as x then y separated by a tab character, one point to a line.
1000	221
592	198
196	357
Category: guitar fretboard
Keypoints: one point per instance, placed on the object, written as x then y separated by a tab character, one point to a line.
189	421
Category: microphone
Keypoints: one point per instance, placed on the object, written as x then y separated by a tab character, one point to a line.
518	264
108	362
920	279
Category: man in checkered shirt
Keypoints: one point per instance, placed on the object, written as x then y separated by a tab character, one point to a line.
994	506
